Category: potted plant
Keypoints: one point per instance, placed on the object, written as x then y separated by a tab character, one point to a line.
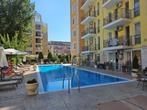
32	87
135	67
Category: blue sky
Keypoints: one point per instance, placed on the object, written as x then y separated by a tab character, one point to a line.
56	13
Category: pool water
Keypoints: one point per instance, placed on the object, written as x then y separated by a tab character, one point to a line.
59	77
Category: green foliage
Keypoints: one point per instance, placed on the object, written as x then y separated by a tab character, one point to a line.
61	58
40	56
16	17
135	62
19	44
49	56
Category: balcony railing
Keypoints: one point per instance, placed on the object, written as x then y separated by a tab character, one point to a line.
121	14
104	1
83	2
121	41
88	17
88	32
110	3
86	3
88	48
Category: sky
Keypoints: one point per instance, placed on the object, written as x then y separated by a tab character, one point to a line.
56	13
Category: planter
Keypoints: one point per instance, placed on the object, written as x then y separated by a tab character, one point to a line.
32	89
134	73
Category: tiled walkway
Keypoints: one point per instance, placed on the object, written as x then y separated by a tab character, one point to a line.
88	98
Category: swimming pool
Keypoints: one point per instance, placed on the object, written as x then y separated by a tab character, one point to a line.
60	77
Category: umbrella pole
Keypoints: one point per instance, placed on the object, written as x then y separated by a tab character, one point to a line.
16	61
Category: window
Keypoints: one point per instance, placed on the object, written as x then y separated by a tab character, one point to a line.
110	41
74	33
137	28
98	43
137	36
74	21
74	46
136	8
95	45
38	27
38	34
98	26
37	18
38	40
98	9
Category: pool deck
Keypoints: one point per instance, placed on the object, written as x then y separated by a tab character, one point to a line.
94	98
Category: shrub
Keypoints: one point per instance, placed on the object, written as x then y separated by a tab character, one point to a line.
40	56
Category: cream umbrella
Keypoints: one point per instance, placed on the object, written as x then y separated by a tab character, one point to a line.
11	51
3	59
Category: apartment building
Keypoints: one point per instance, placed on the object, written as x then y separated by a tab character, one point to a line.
39	41
76	41
113	31
59	47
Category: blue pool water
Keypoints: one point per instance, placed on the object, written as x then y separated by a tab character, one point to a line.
59	77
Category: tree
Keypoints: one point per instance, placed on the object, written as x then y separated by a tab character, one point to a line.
135	62
16	17
15	42
40	56
50	57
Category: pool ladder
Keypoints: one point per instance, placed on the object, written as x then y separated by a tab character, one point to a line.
70	79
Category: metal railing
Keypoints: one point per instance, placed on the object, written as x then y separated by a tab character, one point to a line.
89	31
104	1
89	48
83	2
120	13
120	41
70	78
89	14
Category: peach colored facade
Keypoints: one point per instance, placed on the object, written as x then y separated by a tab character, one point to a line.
76	41
39	39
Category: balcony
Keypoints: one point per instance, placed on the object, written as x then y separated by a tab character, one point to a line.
116	19
88	49
88	18
91	32
86	4
117	44
110	3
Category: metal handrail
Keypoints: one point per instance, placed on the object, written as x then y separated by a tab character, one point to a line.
70	79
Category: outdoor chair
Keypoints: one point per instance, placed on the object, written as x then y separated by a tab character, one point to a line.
141	78
14	75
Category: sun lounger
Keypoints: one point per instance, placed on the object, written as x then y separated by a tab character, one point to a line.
11	82
8	78
141	79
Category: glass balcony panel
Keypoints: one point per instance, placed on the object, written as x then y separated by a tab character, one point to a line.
90	32
86	3
88	17
110	3
118	18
